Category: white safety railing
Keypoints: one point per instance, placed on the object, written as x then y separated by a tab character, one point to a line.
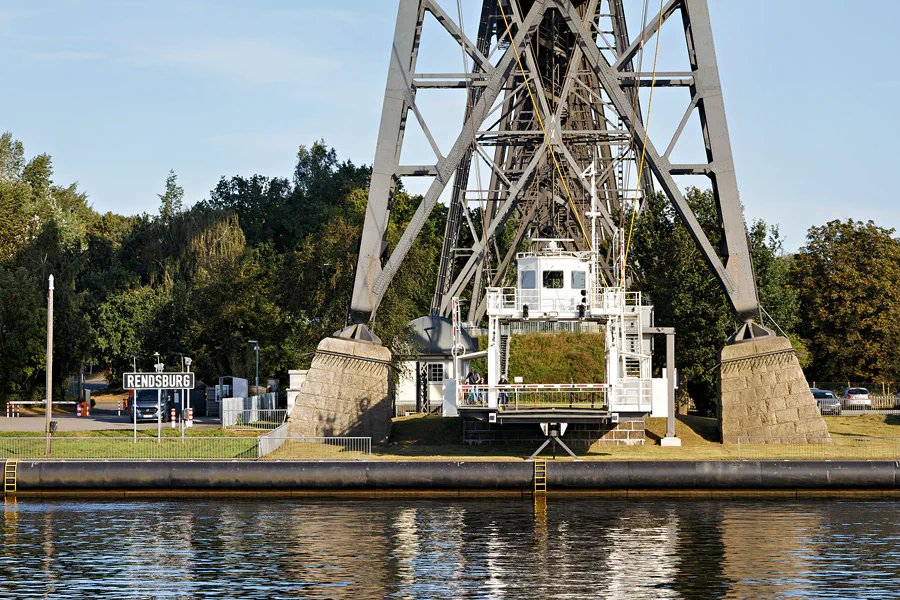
187	448
523	396
606	300
819	448
610	300
633	395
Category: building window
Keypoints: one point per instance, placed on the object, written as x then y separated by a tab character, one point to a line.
577	280
528	281
435	372
553	280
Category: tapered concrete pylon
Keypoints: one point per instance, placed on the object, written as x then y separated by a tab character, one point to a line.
346	392
763	392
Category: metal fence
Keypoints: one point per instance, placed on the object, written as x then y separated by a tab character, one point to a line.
879	388
514	397
253	419
188	448
254	412
838	447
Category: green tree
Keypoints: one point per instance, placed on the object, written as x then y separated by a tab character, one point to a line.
845	278
170	202
667	266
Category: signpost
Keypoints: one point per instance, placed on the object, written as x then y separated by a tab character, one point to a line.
158	381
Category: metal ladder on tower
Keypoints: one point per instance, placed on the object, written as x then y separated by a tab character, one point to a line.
632	343
504	354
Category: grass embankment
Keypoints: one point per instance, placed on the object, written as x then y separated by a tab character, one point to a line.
437	438
167	432
425	437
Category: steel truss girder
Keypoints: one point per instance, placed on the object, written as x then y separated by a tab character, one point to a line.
520	164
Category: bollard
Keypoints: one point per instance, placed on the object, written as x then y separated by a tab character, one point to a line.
87	409
190	419
172	417
8	410
119	407
78	410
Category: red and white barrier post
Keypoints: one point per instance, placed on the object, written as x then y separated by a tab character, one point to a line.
172	418
190	422
78	410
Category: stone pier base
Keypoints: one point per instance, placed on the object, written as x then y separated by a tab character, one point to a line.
763	392
346	392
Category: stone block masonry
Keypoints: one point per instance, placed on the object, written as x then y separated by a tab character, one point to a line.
763	392
346	392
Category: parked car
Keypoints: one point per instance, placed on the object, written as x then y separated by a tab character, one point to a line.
857	397
146	404
826	402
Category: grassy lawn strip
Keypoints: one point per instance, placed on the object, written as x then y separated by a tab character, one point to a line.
437	438
424	438
167	432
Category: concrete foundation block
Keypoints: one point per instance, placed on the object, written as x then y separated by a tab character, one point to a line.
346	392
777	401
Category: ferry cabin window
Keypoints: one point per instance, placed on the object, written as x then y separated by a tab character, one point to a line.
528	281
577	280
435	373
553	280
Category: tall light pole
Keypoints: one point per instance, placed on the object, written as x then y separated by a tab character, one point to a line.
134	394
159	367
186	406
256	347
49	407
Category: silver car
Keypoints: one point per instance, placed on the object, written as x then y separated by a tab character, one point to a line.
857	398
826	402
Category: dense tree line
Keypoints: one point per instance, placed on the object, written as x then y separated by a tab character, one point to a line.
835	298
263	258
273	259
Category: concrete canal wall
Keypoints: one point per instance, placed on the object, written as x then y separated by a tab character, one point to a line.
373	478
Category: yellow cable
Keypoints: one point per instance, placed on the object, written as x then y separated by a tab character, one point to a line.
646	129
541	123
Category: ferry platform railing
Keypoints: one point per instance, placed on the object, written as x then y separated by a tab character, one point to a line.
528	396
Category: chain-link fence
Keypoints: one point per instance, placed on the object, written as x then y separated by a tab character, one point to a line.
188	448
877	389
819	448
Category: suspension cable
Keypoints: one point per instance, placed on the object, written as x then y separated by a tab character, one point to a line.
646	127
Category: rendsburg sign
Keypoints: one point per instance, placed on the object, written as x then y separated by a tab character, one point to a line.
158	381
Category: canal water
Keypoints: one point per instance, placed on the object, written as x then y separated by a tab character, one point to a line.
417	548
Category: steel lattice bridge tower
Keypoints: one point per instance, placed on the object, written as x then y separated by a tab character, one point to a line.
552	113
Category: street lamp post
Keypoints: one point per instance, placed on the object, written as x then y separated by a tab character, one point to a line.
49	406
256	348
186	404
159	367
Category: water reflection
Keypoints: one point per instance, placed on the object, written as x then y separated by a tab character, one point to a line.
414	548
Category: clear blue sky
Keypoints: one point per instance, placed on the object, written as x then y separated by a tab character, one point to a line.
119	92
